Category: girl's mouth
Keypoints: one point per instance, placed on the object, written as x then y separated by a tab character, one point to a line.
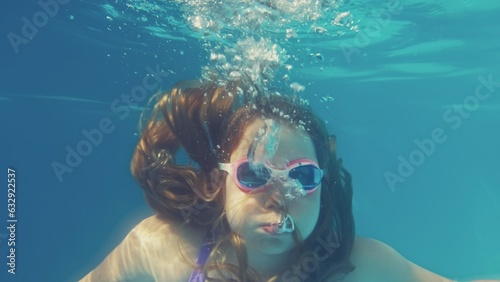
284	226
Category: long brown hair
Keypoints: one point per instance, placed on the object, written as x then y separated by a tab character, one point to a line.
207	121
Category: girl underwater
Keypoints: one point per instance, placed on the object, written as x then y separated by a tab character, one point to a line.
264	198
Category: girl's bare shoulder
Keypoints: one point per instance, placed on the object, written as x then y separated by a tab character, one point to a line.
163	230
162	242
376	261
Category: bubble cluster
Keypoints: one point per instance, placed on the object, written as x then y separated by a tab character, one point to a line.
248	40
285	225
256	61
294	189
265	144
252	17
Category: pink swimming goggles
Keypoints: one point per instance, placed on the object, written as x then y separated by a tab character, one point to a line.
252	177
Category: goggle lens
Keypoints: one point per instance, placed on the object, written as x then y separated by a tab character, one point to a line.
253	177
308	175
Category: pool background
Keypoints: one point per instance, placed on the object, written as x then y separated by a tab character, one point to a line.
444	217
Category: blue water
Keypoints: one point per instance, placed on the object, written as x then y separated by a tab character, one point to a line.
397	89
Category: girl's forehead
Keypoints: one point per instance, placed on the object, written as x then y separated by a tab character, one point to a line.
274	141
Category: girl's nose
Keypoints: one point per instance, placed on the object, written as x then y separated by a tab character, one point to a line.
275	198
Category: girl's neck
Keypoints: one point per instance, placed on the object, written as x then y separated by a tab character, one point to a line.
266	265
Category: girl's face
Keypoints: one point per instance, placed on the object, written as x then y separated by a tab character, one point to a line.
276	146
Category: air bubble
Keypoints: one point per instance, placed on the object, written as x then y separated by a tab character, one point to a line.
327	99
297	87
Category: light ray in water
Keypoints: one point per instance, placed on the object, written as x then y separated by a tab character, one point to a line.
482	107
132	108
63	98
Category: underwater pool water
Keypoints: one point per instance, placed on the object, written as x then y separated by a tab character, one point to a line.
410	88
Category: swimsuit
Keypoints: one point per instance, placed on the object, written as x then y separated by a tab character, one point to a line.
205	249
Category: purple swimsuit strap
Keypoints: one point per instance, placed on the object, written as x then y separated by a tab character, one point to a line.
205	249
